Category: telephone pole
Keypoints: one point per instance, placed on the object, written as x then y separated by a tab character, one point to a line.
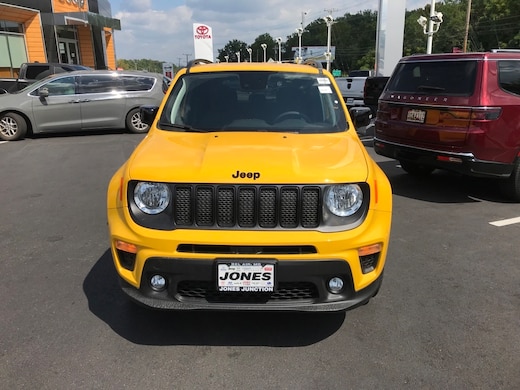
468	16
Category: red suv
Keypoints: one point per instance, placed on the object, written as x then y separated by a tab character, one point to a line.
459	112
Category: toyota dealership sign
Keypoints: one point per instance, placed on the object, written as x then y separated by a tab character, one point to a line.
203	41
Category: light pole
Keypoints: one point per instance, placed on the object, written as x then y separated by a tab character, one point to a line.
279	41
430	25
264	47
299	30
250	51
329	20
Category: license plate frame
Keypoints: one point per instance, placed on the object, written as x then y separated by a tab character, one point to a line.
416	116
246	276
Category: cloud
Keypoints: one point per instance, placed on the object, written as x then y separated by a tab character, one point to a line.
162	30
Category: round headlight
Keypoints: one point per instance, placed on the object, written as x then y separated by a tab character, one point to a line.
344	200
151	198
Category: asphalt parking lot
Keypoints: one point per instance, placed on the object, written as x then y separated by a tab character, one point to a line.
447	315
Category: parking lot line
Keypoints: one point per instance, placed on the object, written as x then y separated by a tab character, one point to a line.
505	222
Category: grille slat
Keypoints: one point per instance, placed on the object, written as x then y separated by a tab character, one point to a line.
247	207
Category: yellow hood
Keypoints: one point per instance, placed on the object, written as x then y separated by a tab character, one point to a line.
249	157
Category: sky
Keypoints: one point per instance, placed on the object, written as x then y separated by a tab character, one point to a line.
162	30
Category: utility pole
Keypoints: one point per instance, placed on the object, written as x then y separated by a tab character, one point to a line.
187	55
468	16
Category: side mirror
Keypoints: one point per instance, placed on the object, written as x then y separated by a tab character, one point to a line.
360	116
148	114
43	92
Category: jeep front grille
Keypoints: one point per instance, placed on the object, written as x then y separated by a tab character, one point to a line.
246	207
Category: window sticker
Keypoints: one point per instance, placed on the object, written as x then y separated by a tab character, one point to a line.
324	89
323	81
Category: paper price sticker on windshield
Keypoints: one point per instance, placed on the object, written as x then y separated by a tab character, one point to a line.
245	277
324	89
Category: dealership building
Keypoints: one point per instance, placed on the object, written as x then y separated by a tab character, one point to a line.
65	31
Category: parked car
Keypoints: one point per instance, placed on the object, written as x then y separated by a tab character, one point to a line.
252	191
374	86
458	112
352	89
80	100
30	72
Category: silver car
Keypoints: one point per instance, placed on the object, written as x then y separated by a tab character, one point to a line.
80	101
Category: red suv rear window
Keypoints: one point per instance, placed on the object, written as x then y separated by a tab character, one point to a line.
509	76
447	77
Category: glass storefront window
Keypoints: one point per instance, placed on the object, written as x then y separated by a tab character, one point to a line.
12	27
12	47
17	49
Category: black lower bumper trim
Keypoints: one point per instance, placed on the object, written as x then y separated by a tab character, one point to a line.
301	286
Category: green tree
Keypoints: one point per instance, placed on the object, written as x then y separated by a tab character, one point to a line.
258	51
230	50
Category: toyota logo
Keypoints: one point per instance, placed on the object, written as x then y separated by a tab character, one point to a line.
202	30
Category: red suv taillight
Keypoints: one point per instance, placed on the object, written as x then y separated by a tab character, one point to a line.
486	113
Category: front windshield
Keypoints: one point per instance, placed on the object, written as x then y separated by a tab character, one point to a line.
254	101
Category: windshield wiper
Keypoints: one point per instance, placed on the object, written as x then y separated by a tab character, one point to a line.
186	128
430	88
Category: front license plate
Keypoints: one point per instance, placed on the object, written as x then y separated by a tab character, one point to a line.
417	116
245	276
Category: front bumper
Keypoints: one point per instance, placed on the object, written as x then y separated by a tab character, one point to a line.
301	286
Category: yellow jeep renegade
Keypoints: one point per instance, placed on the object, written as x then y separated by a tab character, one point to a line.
251	191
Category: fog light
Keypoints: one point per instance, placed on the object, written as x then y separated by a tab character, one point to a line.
335	285
158	283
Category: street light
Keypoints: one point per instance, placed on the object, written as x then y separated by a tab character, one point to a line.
250	51
279	41
430	25
299	30
264	46
329	20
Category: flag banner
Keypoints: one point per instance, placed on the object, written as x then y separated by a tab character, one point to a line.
203	41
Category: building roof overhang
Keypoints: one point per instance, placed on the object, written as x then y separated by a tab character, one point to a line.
85	18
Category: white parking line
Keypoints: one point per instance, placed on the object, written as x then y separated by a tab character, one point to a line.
505	222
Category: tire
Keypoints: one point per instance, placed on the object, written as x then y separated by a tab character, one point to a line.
134	123
13	127
511	186
416	169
